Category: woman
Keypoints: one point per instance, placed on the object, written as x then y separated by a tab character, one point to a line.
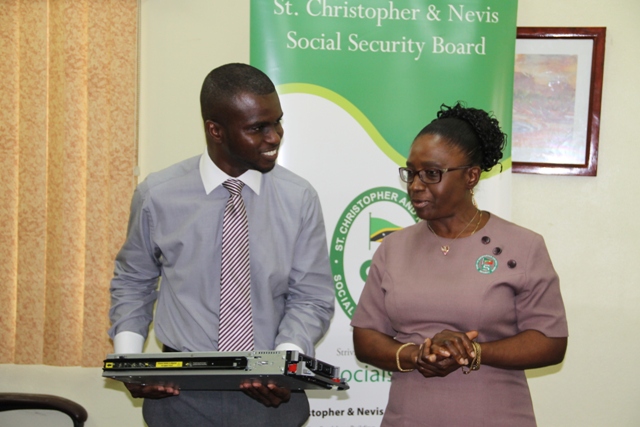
463	290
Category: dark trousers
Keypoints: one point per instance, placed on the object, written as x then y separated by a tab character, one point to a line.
223	409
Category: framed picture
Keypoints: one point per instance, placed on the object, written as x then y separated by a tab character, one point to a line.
556	105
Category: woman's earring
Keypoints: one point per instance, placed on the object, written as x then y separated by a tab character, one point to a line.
473	199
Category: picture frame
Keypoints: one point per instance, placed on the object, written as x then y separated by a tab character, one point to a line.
557	99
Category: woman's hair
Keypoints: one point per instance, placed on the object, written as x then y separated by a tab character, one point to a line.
473	131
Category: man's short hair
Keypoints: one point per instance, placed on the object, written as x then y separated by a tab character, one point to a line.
227	81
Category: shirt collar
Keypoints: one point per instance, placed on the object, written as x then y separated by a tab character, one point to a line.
213	177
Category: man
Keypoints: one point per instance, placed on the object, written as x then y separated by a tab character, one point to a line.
176	232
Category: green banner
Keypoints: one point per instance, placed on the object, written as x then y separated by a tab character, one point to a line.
357	82
390	64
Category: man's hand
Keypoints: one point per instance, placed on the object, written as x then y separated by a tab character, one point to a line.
269	395
152	391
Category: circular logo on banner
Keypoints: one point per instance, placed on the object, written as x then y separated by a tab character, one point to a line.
365	222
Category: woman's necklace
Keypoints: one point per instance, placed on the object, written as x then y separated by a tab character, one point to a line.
446	248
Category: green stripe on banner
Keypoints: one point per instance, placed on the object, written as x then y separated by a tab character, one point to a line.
366	124
351	109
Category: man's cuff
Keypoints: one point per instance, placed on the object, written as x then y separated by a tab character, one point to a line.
128	342
289	346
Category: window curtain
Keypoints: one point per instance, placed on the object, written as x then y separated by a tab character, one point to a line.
68	117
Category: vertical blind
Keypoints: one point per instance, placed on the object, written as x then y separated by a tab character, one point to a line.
68	118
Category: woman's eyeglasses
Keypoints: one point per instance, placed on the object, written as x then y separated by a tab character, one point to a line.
428	176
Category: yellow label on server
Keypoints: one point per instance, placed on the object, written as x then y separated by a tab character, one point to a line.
168	364
108	365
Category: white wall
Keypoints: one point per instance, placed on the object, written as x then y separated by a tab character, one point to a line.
175	60
587	221
592	235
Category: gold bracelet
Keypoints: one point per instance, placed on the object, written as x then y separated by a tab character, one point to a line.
398	356
475	363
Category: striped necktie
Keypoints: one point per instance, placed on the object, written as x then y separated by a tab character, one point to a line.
236	324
